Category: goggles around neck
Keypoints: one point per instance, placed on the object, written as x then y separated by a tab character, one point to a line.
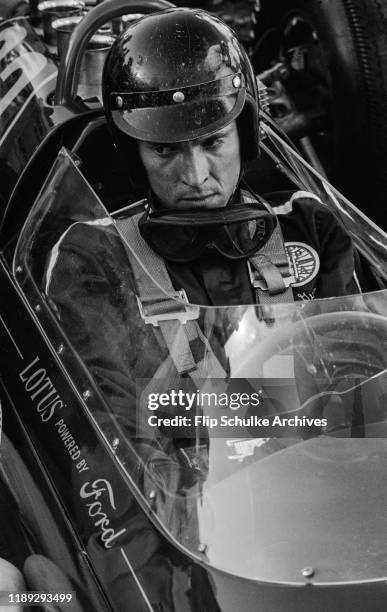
235	232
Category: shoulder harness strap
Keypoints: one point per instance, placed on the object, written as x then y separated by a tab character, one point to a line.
269	269
164	307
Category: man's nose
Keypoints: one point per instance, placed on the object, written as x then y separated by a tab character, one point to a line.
195	168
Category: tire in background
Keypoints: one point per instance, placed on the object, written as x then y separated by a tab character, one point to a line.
350	38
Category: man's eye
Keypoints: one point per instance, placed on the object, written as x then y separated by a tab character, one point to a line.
213	143
163	150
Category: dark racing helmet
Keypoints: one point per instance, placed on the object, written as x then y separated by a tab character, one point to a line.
177	75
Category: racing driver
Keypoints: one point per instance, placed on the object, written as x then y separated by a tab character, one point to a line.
182	105
181	102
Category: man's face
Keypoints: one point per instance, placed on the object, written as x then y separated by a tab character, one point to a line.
200	173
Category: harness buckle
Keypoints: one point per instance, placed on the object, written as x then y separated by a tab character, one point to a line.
258	282
168	309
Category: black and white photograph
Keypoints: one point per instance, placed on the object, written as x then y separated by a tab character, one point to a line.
193	306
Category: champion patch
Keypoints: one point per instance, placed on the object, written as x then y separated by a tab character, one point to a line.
304	262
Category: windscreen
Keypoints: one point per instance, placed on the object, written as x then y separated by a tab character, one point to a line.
369	239
254	435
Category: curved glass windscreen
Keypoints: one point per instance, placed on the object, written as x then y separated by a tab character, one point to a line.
256	436
368	237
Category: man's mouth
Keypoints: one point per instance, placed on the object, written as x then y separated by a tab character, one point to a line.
198	198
